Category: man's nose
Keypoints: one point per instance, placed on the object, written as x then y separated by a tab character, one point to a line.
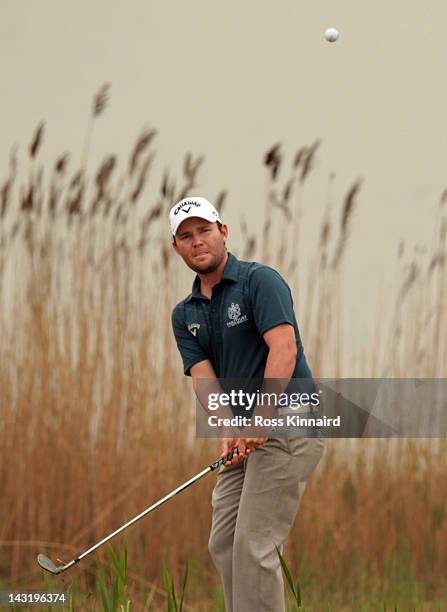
196	239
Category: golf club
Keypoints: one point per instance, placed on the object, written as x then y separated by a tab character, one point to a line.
48	565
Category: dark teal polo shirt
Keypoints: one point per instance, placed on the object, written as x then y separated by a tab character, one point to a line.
227	329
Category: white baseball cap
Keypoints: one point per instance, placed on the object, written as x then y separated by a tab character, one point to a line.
191	207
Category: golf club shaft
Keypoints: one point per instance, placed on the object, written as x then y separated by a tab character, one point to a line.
182	487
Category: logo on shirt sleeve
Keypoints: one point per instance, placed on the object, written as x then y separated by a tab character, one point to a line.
234	314
193	327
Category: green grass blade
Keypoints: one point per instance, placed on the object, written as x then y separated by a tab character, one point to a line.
49	588
298	593
103	593
117	562
289	578
72	594
183	587
169	588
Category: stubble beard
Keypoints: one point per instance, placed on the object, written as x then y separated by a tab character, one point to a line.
210	267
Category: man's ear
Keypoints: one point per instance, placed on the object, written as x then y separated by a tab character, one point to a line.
174	245
224	231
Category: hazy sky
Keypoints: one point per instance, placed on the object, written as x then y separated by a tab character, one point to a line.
229	79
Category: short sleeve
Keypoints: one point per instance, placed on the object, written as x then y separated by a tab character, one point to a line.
187	344
271	299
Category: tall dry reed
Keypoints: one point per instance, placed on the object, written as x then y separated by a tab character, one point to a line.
97	420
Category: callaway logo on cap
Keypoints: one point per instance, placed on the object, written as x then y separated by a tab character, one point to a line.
192	207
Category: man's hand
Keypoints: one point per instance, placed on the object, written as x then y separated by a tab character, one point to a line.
251	444
244	445
227	445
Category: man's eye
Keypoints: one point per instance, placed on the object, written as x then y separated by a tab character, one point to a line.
206	229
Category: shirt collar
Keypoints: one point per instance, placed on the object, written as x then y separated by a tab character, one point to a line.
230	273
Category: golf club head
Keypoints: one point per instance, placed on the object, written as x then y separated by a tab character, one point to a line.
48	565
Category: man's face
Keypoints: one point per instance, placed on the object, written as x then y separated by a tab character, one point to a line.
201	244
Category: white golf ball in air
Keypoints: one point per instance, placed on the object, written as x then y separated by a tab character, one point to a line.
331	34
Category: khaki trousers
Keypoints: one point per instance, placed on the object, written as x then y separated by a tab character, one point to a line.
254	506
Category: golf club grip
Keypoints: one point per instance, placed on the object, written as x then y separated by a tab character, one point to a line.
223	460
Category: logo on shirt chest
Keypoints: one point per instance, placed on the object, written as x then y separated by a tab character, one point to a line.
234	314
193	328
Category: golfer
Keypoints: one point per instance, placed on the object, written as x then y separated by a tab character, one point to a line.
238	323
